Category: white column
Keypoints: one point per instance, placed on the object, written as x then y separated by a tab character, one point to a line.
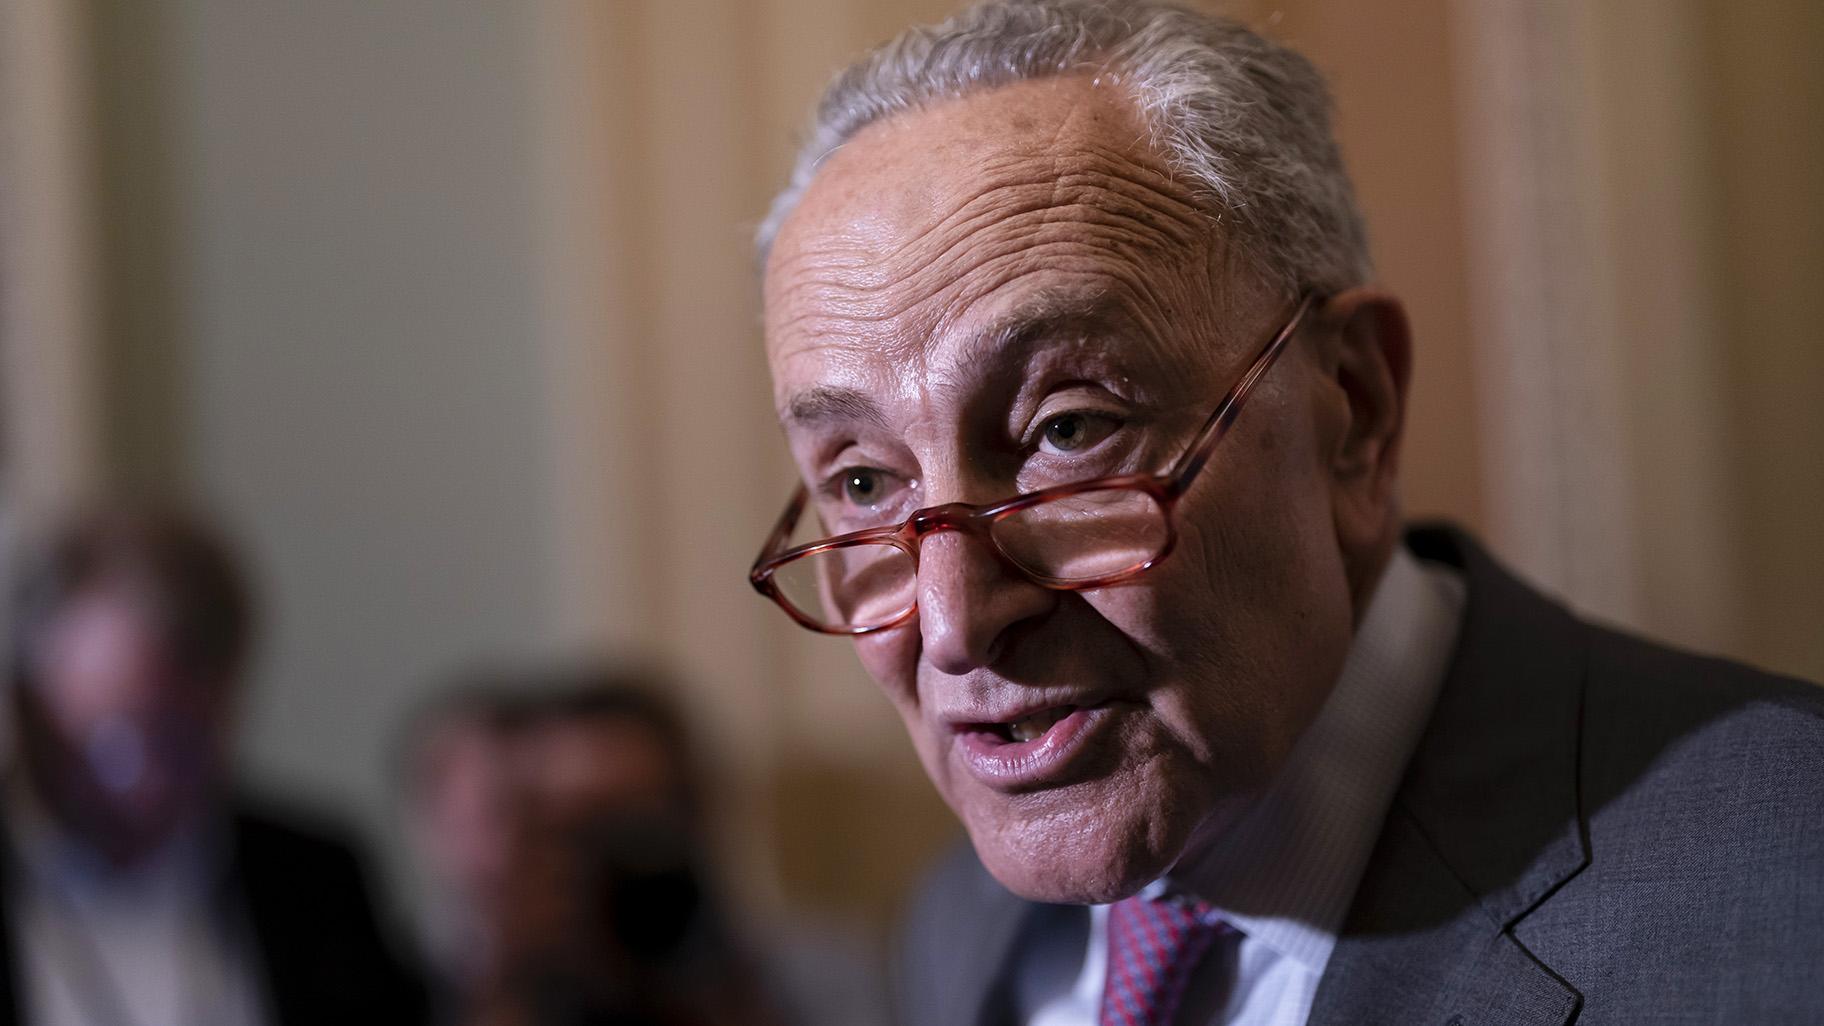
48	415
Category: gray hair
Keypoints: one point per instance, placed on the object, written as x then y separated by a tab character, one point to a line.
1244	120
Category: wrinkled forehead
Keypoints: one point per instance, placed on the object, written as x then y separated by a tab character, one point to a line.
935	234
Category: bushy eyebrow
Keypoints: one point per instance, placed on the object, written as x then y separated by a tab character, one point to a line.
825	404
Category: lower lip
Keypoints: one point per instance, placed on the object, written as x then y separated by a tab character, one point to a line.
1021	765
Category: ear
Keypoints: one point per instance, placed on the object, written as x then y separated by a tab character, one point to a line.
1369	361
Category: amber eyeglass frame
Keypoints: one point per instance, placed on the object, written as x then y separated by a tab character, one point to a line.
977	520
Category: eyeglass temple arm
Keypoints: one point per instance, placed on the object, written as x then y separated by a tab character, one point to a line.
1204	445
782	531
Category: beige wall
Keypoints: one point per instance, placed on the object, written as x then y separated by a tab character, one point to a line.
1397	107
1646	217
1762	86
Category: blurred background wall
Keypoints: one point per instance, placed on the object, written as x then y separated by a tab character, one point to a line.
449	309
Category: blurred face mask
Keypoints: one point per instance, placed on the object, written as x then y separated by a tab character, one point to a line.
132	746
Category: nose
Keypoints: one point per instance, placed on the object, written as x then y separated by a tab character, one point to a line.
969	602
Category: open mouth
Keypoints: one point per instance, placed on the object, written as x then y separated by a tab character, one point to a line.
1027	728
1035	750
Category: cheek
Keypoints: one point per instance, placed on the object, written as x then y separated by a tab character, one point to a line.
1246	624
891	658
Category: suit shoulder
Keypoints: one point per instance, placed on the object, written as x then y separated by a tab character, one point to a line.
1655	671
1702	794
1696	712
1687	753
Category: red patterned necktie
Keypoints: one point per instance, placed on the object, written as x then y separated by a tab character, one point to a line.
1153	947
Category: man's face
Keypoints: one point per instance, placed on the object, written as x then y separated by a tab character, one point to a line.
132	745
1009	291
463	813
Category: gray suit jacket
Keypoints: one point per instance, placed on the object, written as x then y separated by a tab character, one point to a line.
1593	829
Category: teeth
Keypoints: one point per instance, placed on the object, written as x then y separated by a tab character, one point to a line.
1034	727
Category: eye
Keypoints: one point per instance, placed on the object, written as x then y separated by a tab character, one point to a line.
858	496
863	486
1075	431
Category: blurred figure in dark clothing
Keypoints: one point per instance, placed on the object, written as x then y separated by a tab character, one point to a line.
136	889
460	796
602	913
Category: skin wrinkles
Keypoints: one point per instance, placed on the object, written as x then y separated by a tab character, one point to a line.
838	339
1102	181
1059	335
966	276
925	308
1112	168
1111	194
1128	310
1057	340
1086	210
1056	246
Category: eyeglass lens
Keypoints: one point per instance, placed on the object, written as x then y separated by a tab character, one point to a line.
1080	537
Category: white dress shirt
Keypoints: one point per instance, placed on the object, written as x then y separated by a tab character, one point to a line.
1285	873
98	946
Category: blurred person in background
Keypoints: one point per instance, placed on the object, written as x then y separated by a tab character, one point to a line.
139	888
459	795
560	820
1231	744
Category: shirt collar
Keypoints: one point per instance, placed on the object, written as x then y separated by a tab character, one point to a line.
1284	874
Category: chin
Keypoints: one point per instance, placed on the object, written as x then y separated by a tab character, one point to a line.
1081	856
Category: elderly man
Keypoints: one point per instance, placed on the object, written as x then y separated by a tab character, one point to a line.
1099	426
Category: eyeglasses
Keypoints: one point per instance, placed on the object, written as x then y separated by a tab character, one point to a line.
1071	537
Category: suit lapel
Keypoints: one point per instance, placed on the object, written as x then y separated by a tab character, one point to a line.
1419	948
1486	825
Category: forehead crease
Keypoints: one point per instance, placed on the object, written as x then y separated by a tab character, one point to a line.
830	264
1102	217
1097	200
1102	201
825	304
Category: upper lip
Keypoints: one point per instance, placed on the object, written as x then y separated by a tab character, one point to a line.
964	716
